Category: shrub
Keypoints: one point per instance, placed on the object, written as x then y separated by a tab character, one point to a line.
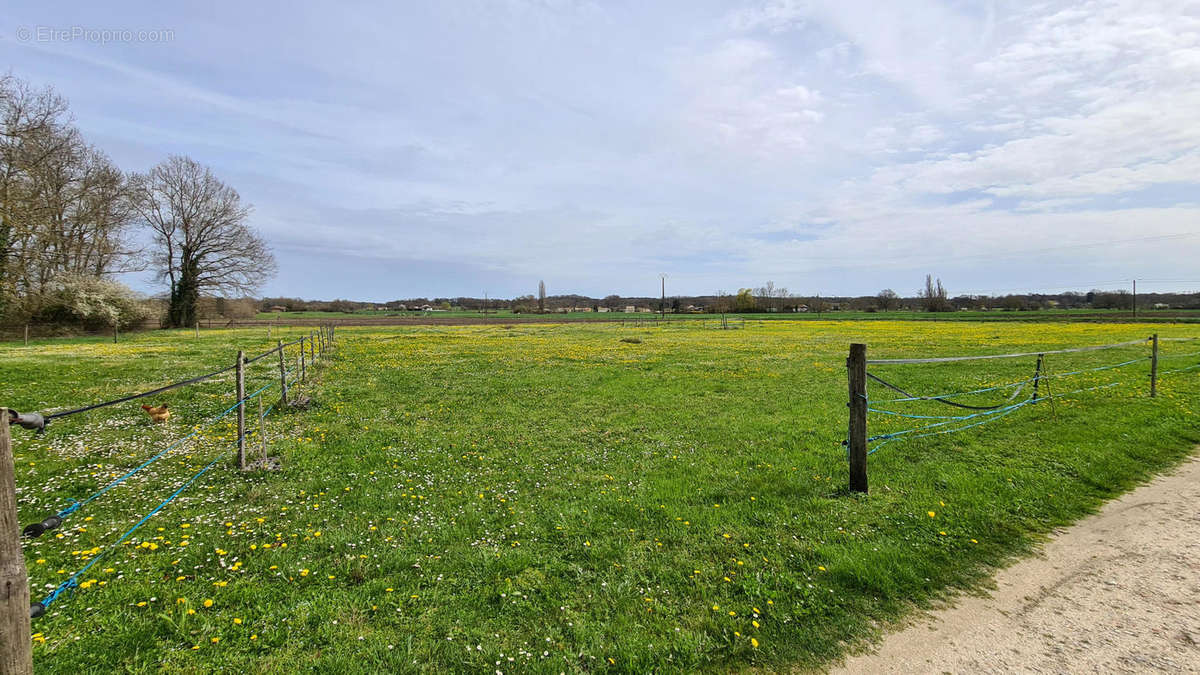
92	302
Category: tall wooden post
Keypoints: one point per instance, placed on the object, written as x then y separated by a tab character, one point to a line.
1037	376
303	368
26	335
262	430
16	649
856	372
312	348
241	419
1154	365
282	376
197	330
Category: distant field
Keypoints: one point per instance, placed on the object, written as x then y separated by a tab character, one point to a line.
1157	315
563	497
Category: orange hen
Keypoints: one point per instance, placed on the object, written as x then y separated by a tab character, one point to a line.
159	414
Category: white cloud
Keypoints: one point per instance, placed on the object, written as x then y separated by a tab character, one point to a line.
594	142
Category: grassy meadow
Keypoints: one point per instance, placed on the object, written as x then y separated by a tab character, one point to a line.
548	498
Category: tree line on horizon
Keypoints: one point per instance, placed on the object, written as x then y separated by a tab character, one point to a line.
766	298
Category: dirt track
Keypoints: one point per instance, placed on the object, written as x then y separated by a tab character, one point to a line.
1117	592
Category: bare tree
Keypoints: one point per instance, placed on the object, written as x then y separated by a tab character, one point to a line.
933	296
541	296
64	208
202	242
82	215
888	299
25	113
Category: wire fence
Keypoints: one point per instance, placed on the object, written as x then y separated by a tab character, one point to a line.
1018	393
318	342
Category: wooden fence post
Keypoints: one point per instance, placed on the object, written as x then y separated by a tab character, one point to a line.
197	330
856	372
16	649
1037	376
262	430
241	418
26	335
303	368
1154	365
312	348
282	376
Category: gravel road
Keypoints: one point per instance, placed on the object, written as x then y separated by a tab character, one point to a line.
1119	592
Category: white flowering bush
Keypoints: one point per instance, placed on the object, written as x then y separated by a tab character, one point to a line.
92	302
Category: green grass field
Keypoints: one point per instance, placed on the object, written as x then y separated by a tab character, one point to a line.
556	498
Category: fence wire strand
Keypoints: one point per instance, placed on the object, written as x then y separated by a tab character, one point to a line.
72	582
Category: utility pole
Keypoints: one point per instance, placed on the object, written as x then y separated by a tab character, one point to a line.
662	304
1135	298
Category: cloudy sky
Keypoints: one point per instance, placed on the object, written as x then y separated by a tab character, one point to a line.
841	147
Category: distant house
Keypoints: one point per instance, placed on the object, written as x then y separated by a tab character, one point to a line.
426	308
278	308
1161	305
801	308
602	309
630	309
